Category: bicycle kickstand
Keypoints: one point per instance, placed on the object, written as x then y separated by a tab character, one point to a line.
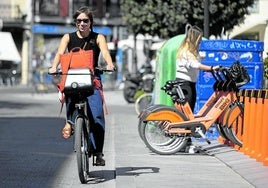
199	131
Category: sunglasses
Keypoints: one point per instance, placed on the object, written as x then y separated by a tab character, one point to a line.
80	20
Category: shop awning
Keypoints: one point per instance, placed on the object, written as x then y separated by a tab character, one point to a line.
8	49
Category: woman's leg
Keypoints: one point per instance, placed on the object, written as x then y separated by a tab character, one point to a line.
189	93
70	117
95	102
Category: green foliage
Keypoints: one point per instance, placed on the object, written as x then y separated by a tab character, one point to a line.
168	18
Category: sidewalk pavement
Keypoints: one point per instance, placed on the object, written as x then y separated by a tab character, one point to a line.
216	165
135	166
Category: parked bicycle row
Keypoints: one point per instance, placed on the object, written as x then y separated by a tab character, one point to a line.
166	130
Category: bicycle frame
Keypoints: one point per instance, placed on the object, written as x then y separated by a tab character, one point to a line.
208	114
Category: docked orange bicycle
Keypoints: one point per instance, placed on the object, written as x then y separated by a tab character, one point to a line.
166	130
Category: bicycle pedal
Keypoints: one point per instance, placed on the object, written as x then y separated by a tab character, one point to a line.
199	131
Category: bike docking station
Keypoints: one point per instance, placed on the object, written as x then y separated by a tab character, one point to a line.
253	129
240	125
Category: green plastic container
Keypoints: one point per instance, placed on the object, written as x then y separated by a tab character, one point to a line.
166	69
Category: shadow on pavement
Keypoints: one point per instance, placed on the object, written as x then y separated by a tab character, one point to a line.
135	171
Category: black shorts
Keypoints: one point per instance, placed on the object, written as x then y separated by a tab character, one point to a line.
189	91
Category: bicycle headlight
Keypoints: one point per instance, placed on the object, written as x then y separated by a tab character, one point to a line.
74	85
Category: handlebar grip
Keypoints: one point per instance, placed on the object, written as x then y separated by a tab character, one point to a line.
55	73
102	70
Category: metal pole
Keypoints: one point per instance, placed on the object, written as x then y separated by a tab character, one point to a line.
134	65
206	19
31	45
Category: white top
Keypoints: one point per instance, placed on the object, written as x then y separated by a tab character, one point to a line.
187	68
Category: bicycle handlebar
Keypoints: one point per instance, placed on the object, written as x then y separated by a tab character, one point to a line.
237	76
99	70
58	72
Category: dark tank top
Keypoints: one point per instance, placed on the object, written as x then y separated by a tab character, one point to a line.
91	40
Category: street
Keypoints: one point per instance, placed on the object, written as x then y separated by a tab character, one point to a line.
32	151
34	154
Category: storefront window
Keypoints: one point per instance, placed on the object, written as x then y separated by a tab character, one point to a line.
112	8
95	5
53	8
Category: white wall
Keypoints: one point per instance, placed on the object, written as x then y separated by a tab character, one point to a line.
255	22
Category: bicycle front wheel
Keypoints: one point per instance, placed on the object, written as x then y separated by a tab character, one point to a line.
233	126
143	102
81	148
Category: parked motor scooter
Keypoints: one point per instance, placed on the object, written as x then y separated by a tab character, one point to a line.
134	83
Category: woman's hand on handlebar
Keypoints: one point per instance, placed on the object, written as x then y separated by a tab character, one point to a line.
110	67
215	68
52	70
101	70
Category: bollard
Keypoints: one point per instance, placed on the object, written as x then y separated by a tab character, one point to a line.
240	123
252	123
264	131
247	110
259	113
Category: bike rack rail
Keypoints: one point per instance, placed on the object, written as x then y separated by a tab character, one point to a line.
254	126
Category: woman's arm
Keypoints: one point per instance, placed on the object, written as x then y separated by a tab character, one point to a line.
61	49
101	41
205	67
209	68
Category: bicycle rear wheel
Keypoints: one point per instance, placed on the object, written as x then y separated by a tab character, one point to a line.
81	148
143	102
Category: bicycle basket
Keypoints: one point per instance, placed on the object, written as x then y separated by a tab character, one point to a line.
239	74
78	81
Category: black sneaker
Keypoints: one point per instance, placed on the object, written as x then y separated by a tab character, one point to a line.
99	160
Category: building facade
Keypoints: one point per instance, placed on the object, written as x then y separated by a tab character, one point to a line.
38	25
255	26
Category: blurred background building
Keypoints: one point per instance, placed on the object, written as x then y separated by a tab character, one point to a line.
36	27
31	30
255	26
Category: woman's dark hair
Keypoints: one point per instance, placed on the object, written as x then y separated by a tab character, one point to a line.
86	10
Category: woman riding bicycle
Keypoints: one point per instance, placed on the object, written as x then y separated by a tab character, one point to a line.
83	19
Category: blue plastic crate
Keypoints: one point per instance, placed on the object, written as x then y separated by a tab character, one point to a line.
231	50
225	52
